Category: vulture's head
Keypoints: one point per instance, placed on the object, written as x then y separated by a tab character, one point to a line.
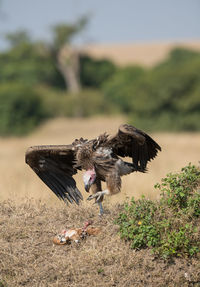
89	178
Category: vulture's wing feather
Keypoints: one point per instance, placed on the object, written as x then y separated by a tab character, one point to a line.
55	166
134	143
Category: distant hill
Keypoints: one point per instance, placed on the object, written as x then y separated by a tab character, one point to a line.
147	54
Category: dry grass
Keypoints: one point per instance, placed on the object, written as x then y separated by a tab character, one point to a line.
29	258
27	255
147	54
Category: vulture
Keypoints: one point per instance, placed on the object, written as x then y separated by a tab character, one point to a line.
100	158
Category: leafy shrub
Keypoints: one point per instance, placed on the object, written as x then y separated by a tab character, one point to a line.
170	226
164	97
20	109
31	64
167	96
178	188
93	73
119	89
136	223
86	103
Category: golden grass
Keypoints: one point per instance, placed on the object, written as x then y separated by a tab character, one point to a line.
147	54
17	180
29	258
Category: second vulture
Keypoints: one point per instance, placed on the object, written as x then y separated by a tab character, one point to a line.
101	158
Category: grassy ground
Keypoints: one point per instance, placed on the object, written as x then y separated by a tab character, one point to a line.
29	258
30	216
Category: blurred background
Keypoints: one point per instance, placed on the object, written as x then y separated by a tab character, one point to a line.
71	68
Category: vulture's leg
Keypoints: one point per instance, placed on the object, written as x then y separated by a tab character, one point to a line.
101	211
113	182
95	187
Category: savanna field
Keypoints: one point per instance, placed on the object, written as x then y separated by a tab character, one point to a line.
31	216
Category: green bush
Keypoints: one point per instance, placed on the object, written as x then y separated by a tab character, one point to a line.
178	188
119	89
88	102
21	109
167	97
164	97
30	64
93	73
136	223
170	226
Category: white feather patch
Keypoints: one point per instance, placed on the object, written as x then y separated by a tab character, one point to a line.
86	178
106	152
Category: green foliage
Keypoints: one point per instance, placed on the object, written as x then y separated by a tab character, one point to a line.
170	226
165	97
20	109
169	94
100	270
18	38
29	64
119	89
178	188
136	223
88	102
63	33
93	73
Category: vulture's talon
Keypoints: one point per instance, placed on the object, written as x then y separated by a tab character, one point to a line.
90	197
97	196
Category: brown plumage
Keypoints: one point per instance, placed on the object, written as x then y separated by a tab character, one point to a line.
100	157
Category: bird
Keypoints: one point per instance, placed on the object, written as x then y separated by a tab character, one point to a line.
101	159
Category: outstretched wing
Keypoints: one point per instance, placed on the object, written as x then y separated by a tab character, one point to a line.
134	143
55	167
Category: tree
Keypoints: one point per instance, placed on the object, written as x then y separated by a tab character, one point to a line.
29	62
67	57
18	38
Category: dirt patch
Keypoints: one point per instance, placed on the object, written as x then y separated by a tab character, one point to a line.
29	258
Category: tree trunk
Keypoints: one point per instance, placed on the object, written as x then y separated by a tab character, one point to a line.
68	65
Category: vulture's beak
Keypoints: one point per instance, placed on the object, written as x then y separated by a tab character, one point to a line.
87	187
